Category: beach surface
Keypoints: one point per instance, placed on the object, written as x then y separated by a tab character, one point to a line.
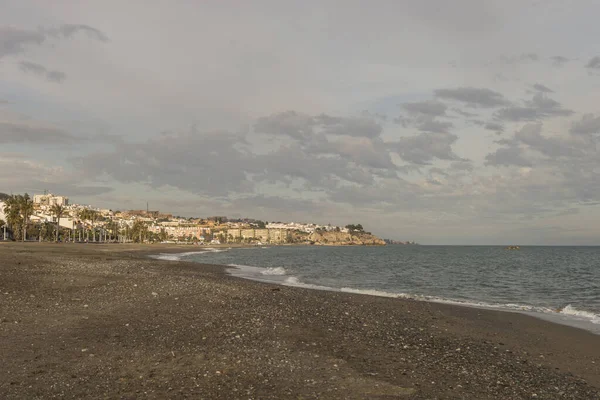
105	321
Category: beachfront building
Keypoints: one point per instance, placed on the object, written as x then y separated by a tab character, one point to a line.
49	200
177	231
275	236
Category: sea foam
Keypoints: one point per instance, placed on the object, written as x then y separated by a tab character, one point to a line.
179	256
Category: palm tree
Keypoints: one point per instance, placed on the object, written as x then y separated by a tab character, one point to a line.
94	217
58	211
11	210
89	215
26	209
3	225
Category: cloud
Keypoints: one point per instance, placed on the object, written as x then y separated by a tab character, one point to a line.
531	135
494	126
351	126
559	61
473	97
36	176
15	40
278	205
425	147
541	88
430	108
37	69
508	156
68	30
539	107
31	132
588	125
290	123
594	63
521	58
324	153
301	126
430	124
217	166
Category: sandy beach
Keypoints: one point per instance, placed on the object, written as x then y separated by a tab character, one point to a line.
106	321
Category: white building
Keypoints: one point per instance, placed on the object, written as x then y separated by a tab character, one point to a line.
50	200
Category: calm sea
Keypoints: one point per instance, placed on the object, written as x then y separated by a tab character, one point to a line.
557	283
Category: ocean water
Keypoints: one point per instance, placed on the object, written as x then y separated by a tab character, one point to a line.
561	284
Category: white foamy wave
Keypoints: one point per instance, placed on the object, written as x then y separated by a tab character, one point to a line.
179	256
570	310
274	271
168	257
295	282
371	292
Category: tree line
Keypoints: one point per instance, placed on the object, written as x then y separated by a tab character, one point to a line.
18	210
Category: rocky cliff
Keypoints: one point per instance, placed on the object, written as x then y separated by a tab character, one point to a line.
345	239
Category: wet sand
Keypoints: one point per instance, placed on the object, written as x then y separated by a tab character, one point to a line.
105	321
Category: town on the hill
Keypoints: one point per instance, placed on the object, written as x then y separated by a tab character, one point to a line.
49	217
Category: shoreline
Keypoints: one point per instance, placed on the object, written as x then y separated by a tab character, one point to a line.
575	319
94	321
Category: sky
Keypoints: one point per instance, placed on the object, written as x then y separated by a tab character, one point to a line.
463	122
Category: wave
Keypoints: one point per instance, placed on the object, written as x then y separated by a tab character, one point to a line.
567	315
274	271
179	256
570	310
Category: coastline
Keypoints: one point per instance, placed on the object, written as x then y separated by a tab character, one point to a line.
166	329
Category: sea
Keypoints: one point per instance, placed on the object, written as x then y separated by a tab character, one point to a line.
560	284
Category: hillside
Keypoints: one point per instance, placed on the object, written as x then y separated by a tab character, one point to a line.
4	196
339	239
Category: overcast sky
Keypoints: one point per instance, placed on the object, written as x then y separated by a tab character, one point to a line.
444	122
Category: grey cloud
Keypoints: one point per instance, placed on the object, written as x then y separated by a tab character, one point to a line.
318	172
32	133
589	124
594	63
430	124
33	175
326	152
539	107
397	193
541	88
351	126
216	165
425	147
473	97
274	204
507	156
431	108
558	61
301	126
531	135
290	123
461	166
521	58
37	69
463	113
362	151
15	40
494	126
69	30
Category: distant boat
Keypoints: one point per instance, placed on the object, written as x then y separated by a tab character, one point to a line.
512	248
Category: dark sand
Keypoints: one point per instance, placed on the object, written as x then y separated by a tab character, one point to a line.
102	321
